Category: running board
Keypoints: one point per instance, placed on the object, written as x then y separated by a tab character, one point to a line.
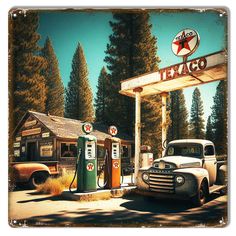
215	188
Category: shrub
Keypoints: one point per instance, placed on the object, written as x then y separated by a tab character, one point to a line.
56	186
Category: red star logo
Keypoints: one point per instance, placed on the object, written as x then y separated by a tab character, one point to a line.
116	165
113	130
183	42
87	128
90	166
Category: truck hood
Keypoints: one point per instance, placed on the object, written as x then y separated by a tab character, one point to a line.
181	161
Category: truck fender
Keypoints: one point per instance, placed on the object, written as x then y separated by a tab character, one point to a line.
222	175
200	174
24	171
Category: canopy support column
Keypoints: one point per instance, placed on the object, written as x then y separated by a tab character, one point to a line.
137	131
163	123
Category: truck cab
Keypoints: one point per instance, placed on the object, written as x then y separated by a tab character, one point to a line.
188	170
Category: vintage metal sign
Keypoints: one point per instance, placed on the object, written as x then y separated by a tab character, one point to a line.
46	151
31	132
15	145
18	139
30	123
185	43
46	135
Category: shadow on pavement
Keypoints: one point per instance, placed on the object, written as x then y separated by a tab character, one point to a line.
136	212
149	204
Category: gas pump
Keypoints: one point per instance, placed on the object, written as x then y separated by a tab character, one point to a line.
112	170
87	161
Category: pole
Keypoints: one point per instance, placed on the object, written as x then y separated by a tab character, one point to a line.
137	131
163	123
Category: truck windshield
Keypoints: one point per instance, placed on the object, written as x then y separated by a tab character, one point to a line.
189	150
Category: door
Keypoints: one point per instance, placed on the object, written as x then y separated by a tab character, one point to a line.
31	151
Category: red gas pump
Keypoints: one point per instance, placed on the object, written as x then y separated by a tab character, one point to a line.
112	170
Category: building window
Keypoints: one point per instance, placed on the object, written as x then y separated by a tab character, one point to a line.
68	149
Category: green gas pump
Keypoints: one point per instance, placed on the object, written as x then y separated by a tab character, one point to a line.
87	161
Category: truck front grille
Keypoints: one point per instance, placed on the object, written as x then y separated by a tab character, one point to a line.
163	183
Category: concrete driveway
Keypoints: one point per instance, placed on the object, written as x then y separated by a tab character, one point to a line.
28	208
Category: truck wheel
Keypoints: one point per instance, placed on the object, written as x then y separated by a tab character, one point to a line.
37	179
200	198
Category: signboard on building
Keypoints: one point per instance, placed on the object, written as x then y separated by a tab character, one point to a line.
46	151
16	145
45	135
17	153
31	132
30	123
18	139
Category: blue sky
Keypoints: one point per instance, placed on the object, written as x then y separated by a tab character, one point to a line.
92	30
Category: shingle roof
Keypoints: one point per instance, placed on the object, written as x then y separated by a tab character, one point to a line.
70	128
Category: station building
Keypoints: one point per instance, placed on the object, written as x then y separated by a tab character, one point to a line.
42	138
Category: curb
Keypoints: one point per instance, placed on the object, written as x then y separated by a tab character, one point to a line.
101	194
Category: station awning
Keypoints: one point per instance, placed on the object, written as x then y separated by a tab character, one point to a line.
194	72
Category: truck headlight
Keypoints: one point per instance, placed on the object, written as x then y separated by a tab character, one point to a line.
145	177
179	179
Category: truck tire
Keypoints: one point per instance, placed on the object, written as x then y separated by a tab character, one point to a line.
201	197
37	179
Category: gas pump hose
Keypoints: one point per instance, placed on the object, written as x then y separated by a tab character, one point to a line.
106	163
76	169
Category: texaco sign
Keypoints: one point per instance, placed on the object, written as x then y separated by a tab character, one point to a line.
112	130
90	166
87	128
185	43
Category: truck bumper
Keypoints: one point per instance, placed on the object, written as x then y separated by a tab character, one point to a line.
180	196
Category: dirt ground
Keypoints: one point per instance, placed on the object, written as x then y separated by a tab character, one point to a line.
28	208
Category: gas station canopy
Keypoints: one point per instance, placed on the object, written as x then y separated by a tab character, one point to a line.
194	72
201	70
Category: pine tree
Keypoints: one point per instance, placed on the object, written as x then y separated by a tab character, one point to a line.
178	115
102	96
196	120
29	91
79	98
54	85
118	59
219	118
131	52
209	130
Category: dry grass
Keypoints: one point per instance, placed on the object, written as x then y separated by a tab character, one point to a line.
56	186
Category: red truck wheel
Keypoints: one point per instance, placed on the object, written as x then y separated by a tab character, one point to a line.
37	179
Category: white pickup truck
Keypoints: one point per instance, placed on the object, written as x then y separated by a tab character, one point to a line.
188	170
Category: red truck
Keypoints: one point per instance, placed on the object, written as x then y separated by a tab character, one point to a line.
32	173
